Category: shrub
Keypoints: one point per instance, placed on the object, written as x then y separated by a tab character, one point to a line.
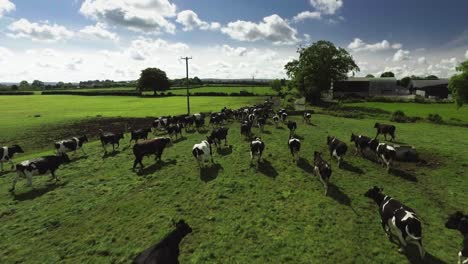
435	118
15	93
400	117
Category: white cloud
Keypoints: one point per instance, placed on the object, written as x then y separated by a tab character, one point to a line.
75	64
190	21
5	54
146	48
99	31
466	54
49	53
327	6
307	38
230	51
306	15
358	45
401	55
142	15
43	31
272	28
422	60
6	6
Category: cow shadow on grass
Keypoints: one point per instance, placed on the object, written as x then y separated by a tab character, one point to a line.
74	159
338	195
179	139
5	172
224	151
267	169
37	192
110	154
268	132
210	173
280	128
412	253
157	165
305	165
203	130
350	167
298	137
403	174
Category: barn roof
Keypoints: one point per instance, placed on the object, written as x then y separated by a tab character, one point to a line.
428	83
363	79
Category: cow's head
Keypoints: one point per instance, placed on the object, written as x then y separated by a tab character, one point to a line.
454	221
317	155
373	192
183	227
353	137
83	139
210	140
17	149
64	158
376	125
329	140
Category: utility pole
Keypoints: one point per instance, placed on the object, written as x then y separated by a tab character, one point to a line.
188	94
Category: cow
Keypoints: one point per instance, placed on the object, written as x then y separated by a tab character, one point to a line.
294	145
38	166
7	153
150	147
108	138
398	220
218	135
188	122
167	250
174	130
256	150
161	123
360	142
246	129
139	134
292	126
276	119
261	122
459	221
307	117
322	169
68	145
385	153
203	151
199	123
337	148
284	116
385	129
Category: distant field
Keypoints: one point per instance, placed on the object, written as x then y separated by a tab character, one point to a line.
447	111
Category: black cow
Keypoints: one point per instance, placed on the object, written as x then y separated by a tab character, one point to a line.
39	166
256	150
398	220
108	138
246	129
385	153
261	122
292	125
68	145
174	130
385	129
459	221
167	250
360	142
307	117
7	153
150	147
218	135
294	145
139	134
337	148
188	122
322	169
199	123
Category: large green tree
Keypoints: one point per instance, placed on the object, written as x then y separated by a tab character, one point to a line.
458	84
24	85
276	85
153	79
387	74
318	65
405	81
370	76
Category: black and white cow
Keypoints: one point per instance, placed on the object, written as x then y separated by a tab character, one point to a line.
203	152
284	116
150	147
7	153
337	148
174	130
276	120
261	122
294	145
161	123
219	134
108	138
246	129
139	134
69	145
167	250
199	121
385	153
360	142
385	129
459	221
256	150
322	169
398	220
40	166
307	117
292	126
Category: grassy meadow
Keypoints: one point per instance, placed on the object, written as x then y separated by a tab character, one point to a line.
103	212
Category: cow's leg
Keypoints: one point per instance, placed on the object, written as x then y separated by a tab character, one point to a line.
15	179
104	147
418	243
385	136
54	175
324	182
135	162
462	259
225	141
1	165
377	135
29	178
251	157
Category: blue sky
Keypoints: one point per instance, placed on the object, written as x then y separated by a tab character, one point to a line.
74	40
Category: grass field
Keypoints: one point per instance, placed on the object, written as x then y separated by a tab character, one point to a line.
102	212
447	111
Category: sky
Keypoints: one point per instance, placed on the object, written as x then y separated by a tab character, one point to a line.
76	40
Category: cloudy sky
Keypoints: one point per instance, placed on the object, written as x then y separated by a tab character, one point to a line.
73	40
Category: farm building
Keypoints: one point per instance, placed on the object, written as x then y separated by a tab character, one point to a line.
367	87
430	88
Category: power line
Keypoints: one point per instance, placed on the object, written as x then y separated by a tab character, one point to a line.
187	80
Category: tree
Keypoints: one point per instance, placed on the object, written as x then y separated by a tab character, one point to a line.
14	87
319	65
405	81
59	85
370	76
153	79
24	85
387	74
276	85
432	77
458	84
36	84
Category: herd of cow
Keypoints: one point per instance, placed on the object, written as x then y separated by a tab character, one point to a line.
398	220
